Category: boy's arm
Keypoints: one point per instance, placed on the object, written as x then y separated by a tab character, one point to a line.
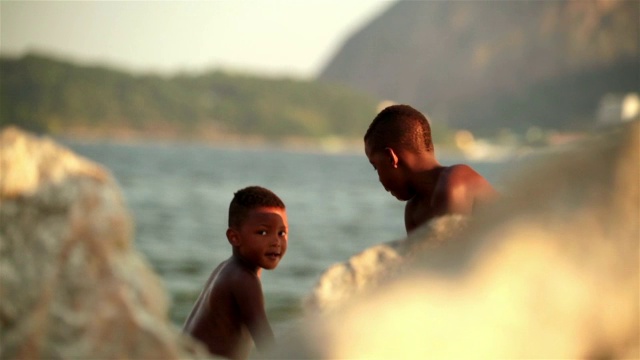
250	301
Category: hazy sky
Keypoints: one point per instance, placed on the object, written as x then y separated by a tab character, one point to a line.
293	37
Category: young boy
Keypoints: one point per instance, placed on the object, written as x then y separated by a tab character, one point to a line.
399	146
230	310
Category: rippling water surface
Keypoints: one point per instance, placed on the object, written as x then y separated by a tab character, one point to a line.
179	196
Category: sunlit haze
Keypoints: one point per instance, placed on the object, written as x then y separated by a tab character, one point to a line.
277	37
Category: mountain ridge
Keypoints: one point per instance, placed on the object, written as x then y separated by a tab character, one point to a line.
444	57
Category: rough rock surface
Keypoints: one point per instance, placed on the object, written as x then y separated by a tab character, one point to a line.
71	283
370	268
551	271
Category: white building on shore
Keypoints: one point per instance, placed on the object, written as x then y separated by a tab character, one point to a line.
617	108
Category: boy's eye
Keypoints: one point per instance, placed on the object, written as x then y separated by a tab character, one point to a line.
262	232
282	233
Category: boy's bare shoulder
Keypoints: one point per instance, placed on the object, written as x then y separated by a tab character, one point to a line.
462	175
462	181
467	182
235	270
234	276
229	274
461	170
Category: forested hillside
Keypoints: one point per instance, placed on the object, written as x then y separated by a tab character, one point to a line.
43	94
487	65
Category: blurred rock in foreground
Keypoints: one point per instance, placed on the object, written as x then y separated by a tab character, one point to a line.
551	271
71	283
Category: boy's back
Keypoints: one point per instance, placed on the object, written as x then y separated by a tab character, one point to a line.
215	319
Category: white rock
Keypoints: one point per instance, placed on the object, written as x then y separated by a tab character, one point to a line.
72	285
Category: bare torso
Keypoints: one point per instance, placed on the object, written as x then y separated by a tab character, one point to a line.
216	319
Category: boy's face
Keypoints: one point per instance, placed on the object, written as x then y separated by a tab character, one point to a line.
262	237
389	174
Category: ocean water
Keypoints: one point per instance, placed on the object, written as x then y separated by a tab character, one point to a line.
179	193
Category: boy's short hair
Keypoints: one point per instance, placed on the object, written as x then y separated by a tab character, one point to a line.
399	125
250	198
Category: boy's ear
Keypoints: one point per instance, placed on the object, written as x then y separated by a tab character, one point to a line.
393	157
232	237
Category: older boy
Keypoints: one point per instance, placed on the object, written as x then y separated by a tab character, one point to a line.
399	146
230	310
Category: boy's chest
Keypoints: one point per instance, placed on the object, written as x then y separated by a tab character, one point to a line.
419	212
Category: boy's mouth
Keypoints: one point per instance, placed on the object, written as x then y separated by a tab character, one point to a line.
273	255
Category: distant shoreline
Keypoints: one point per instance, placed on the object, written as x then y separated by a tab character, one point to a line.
333	144
327	145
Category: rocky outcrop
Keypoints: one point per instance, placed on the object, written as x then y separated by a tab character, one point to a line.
550	271
72	284
370	268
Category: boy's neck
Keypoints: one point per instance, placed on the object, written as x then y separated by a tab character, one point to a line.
420	163
246	264
425	171
429	178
